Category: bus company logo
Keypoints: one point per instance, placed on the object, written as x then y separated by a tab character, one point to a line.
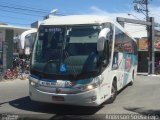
58	90
69	83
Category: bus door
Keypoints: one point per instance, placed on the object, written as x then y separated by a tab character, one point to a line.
118	65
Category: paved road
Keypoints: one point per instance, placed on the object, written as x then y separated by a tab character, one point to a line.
142	98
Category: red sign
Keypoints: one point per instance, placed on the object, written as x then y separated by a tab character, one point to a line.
128	63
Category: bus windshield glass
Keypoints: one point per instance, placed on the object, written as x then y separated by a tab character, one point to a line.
66	50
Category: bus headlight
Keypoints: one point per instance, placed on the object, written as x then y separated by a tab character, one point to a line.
94	84
90	87
32	83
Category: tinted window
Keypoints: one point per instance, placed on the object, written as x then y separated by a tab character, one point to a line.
123	43
119	36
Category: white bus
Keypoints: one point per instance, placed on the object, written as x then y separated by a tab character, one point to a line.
81	60
26	41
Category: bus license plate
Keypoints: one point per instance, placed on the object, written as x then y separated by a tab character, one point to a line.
53	84
58	98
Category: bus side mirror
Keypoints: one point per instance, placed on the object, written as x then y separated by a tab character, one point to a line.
101	39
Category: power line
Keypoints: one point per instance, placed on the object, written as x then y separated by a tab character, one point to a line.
142	6
18	18
30	14
18	12
22	9
20	2
16	23
37	9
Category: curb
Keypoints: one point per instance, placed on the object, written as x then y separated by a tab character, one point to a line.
146	74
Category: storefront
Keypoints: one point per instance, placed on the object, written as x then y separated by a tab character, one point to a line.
7	43
143	54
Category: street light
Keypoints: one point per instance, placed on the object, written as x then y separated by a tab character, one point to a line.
129	14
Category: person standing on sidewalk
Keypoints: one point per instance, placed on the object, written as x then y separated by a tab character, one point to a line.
158	68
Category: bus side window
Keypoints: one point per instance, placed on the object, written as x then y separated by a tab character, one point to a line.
119	36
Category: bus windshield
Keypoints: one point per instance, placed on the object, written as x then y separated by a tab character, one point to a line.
66	50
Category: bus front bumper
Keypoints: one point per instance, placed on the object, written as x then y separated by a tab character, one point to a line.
88	98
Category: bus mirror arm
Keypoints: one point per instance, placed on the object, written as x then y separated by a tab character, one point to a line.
101	39
104	63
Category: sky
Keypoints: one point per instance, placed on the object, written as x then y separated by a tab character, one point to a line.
25	12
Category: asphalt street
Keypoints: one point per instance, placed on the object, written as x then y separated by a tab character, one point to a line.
142	98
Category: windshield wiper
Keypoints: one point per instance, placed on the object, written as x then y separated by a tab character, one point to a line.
74	71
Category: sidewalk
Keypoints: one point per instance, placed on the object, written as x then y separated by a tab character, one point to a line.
11	80
146	74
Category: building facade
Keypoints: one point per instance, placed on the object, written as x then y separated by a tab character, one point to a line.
9	45
143	54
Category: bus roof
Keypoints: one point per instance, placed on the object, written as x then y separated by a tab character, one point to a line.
81	19
76	20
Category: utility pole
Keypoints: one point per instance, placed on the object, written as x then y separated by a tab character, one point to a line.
141	6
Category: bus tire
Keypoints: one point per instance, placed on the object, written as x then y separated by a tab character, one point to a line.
131	83
113	92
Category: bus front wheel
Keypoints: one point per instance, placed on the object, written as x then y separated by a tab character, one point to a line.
113	92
